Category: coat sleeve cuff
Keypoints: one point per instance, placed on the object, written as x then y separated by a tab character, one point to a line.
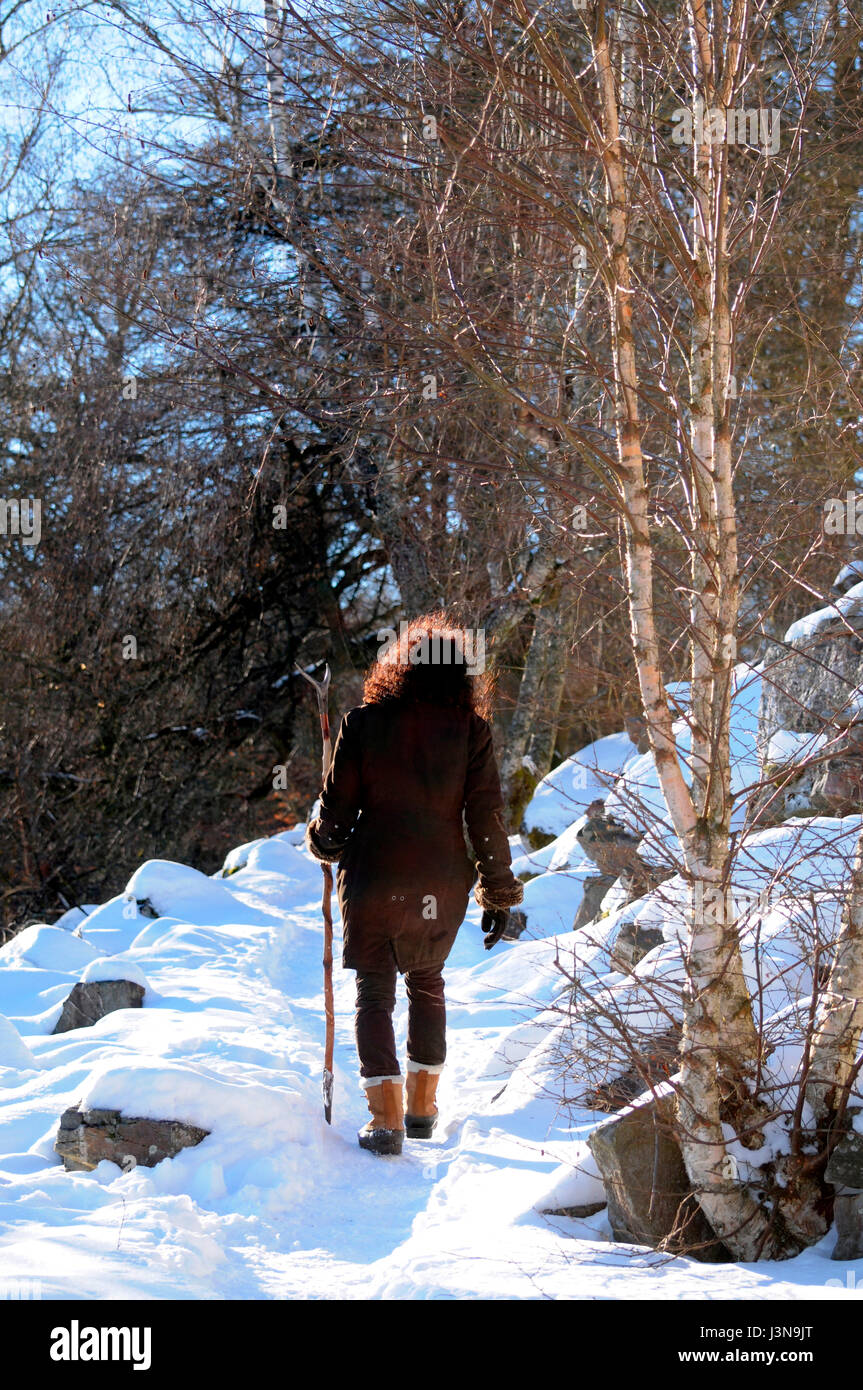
498	899
321	845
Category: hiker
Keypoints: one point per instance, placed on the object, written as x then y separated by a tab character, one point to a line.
412	780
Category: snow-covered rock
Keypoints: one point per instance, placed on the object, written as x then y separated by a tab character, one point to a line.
92	1001
264	852
813	681
567	791
551	901
73	917
850	575
15	1055
172	889
576	1184
788	746
114	968
848	608
637	798
565	852
237	858
650	1199
86	1138
113	926
196	1094
45	947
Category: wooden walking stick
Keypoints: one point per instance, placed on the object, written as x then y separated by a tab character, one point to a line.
322	691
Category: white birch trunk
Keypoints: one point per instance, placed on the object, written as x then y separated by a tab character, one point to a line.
718	1021
274	57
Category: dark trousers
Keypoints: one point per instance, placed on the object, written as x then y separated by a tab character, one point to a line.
376	999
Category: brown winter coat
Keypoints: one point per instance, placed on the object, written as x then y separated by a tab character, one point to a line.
403	776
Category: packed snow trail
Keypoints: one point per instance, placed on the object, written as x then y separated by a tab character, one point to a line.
274	1204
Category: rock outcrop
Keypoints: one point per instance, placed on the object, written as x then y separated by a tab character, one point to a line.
633	943
614	850
845	1164
845	1171
812	684
85	1137
91	1001
650	1199
815	675
595	888
587	1209
837	788
848	1219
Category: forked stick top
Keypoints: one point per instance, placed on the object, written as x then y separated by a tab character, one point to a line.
322	691
321	686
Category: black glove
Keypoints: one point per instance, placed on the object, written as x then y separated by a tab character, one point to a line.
494	925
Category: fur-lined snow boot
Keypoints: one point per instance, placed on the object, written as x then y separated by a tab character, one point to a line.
421	1111
385	1131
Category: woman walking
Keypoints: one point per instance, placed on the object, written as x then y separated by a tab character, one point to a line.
412	812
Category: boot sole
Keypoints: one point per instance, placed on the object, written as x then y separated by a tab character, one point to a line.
419	1126
382	1141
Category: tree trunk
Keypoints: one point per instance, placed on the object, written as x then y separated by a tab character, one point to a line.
532	730
543	738
714	965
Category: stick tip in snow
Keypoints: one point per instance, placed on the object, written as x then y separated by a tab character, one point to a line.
327	1087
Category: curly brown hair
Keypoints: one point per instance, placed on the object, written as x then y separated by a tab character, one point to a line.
429	661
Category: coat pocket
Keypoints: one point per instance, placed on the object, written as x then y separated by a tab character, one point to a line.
429	926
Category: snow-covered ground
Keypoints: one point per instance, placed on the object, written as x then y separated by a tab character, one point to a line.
274	1204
